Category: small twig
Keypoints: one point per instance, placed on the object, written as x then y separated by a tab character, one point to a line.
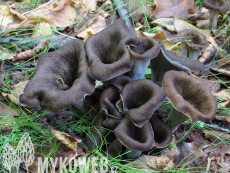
57	122
122	12
38	7
212	150
202	124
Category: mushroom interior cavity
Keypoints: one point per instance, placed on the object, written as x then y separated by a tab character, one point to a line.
191	98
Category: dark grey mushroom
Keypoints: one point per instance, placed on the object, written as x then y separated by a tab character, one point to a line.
215	8
60	80
141	56
140	100
192	43
108	53
191	98
167	60
134	138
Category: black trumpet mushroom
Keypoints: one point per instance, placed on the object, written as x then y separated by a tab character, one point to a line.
191	98
60	80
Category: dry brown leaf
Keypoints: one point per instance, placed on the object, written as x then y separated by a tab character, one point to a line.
202	24
30	53
151	163
138	9
203	14
9	16
172	8
98	25
210	51
224	94
181	25
6	53
223	71
212	137
166	22
66	139
225	61
63	14
144	34
42	29
30	22
191	155
16	91
168	44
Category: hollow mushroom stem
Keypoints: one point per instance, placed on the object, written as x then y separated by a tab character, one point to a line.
213	19
175	119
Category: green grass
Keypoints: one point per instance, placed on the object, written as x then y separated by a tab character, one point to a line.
30	120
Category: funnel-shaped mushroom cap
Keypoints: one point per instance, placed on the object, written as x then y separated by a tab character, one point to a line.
108	100
141	55
217	5
162	132
61	79
120	81
108	53
192	43
190	95
98	132
140	99
134	138
167	60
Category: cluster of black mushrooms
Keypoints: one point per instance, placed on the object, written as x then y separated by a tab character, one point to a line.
126	101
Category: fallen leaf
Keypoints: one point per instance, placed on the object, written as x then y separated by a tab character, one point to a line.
63	14
223	71
172	8
168	44
181	25
31	53
151	163
9	16
191	156
165	22
31	21
223	94
6	53
138	9
98	25
210	135
144	34
203	14
210	51
202	24
16	91
66	139
42	29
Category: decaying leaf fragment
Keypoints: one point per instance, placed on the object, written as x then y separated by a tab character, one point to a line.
181	25
223	71
224	94
171	8
210	51
66	139
16	91
30	53
166	22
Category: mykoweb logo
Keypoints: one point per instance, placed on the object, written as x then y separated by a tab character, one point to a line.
12	158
